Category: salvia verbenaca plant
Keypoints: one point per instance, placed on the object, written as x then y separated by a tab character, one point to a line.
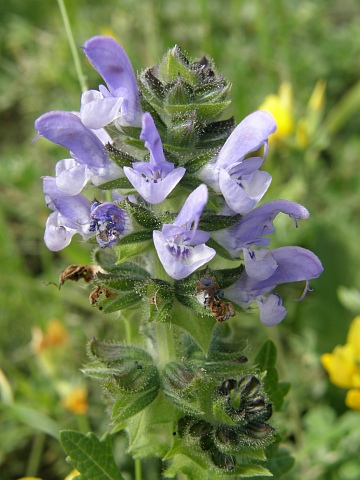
168	192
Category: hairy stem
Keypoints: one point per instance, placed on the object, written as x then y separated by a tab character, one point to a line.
165	344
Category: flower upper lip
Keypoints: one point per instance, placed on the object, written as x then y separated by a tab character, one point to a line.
153	180
120	101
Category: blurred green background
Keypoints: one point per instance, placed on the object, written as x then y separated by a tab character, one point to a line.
257	45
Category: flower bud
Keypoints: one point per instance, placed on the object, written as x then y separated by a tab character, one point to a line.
177	377
226	436
222	460
135	377
259	431
200	429
249	386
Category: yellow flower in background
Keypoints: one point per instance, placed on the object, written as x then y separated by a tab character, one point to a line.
76	400
29	478
300	130
317	99
281	108
352	399
354	337
55	335
343	365
72	475
340	365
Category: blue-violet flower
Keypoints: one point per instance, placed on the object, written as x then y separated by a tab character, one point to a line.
153	180
90	159
240	180
181	247
109	222
118	102
286	264
71	215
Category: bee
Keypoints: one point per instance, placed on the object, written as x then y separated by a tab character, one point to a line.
209	293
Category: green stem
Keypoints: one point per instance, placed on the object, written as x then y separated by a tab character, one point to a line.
35	455
73	47
138	472
165	344
83	423
164	331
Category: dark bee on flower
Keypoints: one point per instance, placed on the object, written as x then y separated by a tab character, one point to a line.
209	293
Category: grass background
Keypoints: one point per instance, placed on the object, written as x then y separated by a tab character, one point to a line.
256	44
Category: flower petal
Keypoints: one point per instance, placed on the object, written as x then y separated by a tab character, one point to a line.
248	136
57	236
97	112
152	192
71	179
111	61
193	207
259	264
294	264
151	137
271	309
243	198
199	255
257	224
66	129
74	210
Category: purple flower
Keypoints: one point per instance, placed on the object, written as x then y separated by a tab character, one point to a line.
71	215
240	180
120	100
90	159
286	264
108	221
253	227
153	180
181	247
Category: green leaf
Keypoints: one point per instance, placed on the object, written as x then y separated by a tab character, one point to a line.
205	112
219	249
112	352
279	460
107	259
197	466
170	68
194	165
117	282
266	359
114	304
149	431
267	355
130	404
211	223
134	244
143	216
212	93
122	183
92	457
184	405
34	418
199	327
119	156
